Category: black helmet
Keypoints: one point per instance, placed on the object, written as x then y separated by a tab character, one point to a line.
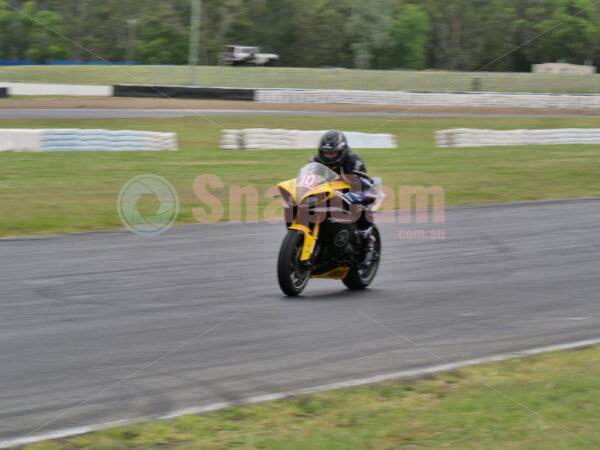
333	141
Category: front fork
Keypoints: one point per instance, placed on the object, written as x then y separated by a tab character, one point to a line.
310	239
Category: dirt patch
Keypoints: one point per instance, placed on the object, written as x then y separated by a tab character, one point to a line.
150	103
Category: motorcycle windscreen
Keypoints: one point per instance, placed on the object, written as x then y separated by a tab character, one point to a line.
312	175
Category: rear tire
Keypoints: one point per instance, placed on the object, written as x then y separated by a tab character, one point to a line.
292	276
361	278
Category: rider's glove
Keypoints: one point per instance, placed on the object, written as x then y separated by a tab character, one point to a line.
358	198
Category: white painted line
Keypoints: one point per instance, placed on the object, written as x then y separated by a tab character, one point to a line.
562	318
521	317
68	432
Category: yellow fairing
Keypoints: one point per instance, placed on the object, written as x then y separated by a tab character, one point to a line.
338	184
289	186
310	239
328	188
311	236
323	189
336	274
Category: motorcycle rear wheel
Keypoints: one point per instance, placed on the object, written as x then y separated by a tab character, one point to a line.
292	275
362	278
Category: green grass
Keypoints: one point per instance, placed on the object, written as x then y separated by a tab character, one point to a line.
546	401
286	77
77	191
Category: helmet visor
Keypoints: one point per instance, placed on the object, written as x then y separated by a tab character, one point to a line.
330	154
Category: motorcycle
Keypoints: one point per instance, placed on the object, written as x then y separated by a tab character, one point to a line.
323	238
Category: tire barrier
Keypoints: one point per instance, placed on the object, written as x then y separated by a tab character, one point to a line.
76	140
268	139
467	137
428	99
231	140
204	93
3	92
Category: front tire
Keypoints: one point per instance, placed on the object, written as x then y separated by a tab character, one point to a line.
361	278
292	275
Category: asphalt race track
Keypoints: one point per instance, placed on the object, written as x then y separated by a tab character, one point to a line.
102	326
165	113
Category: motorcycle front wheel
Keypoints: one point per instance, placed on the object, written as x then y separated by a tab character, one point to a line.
291	273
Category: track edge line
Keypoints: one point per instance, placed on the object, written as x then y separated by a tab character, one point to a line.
411	373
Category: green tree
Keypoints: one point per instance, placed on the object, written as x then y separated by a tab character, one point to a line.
162	43
573	35
369	27
409	35
457	34
5	35
42	31
469	34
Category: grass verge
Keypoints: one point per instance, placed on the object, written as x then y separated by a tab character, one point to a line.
77	191
546	401
301	78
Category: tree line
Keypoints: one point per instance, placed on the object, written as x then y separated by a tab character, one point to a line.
462	35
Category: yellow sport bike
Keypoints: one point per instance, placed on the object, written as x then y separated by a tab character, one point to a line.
323	238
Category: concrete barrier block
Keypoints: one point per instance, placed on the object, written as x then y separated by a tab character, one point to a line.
264	139
57	89
20	140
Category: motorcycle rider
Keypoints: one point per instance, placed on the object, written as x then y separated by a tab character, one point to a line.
335	153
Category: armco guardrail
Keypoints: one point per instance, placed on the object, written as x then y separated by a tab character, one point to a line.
468	137
434	99
64	140
270	139
207	93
